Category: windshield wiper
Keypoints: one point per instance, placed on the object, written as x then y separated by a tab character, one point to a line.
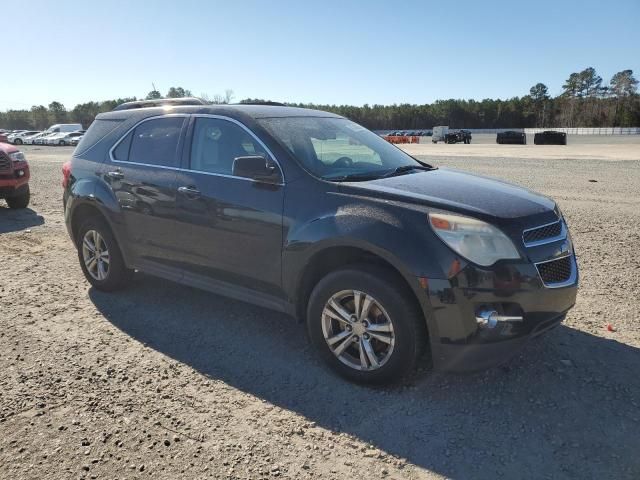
408	168
355	177
363	176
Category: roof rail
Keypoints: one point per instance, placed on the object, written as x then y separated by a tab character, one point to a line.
161	102
262	102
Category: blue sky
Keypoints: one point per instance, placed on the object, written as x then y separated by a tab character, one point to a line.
327	51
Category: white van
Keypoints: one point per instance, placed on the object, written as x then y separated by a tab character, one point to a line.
439	133
64	127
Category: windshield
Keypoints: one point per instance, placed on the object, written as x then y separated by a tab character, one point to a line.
338	149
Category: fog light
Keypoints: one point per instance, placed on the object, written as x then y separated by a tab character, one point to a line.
491	318
20	173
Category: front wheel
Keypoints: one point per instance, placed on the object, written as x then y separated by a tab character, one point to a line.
21	200
62	143
365	327
100	257
18	141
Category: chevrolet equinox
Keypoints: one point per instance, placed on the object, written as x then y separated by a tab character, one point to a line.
384	257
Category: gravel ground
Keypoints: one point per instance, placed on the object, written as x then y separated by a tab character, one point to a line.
165	381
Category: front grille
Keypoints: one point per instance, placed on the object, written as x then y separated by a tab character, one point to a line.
542	233
556	271
5	163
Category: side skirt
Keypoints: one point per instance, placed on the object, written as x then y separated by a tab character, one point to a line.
218	287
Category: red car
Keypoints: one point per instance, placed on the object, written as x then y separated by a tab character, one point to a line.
14	176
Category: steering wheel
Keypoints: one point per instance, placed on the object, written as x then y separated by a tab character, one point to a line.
343	162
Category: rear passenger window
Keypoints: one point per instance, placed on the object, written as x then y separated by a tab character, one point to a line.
155	142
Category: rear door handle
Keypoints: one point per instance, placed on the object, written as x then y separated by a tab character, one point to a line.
116	175
189	192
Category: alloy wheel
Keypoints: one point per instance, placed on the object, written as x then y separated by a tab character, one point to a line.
95	255
358	330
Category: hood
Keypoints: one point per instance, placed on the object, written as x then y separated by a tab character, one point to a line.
8	148
459	191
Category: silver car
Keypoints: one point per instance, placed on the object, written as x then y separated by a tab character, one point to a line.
63	138
29	139
15	136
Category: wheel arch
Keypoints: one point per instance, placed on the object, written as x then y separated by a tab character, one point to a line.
90	208
81	213
334	257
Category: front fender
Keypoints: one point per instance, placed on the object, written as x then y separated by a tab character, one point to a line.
400	238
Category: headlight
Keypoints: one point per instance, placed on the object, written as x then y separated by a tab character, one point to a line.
474	239
17	156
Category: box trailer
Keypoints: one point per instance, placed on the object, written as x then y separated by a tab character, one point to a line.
439	134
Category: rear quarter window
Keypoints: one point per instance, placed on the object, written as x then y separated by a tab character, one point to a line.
96	132
121	152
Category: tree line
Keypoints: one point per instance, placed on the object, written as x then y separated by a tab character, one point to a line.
586	101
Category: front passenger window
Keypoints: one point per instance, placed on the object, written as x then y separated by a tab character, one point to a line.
216	143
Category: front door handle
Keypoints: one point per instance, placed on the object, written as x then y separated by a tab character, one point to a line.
189	192
116	175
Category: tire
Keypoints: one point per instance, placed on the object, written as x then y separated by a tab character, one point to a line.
364	358
106	276
21	200
17	141
62	143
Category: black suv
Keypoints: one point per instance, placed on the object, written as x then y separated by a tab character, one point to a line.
511	136
385	257
550	137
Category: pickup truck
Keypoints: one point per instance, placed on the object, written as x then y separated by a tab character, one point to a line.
458	136
14	176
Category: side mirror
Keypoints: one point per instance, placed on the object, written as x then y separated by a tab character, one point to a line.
256	167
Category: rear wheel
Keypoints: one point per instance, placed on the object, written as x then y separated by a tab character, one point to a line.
21	200
100	257
365	327
62	143
18	141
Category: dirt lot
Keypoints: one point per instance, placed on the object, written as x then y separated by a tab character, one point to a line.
165	381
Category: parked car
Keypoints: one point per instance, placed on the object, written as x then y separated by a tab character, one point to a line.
4	138
75	140
511	136
14	176
305	212
458	136
17	138
550	137
28	139
14	134
64	138
42	139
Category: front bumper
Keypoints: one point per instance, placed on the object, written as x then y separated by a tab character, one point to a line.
11	183
462	344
